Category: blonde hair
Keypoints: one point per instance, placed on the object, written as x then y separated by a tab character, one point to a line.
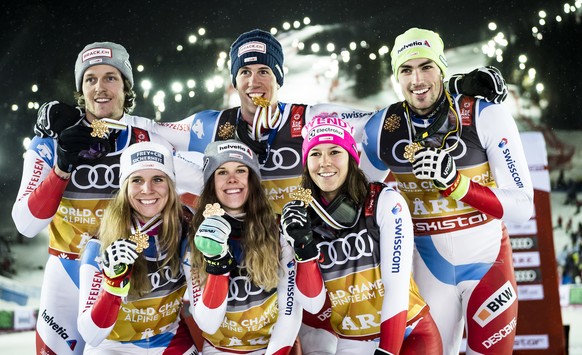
260	239
116	224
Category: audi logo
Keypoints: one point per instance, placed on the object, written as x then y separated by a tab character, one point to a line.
284	158
526	275
351	247
98	176
241	287
522	243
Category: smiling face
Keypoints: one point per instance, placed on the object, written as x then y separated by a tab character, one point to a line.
231	181
328	167
102	87
421	83
148	192
255	80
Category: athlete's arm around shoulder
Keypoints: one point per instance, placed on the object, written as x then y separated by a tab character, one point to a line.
177	133
499	135
396	246
41	189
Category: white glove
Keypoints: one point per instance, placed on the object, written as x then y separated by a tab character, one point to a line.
117	262
212	237
437	165
120	254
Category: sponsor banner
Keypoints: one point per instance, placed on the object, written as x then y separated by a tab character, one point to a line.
533	275
528	228
530	292
526	259
496	304
24	319
524	243
531	342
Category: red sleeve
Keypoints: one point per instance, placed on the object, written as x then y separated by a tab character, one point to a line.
104	311
216	290
44	200
309	280
392	333
482	198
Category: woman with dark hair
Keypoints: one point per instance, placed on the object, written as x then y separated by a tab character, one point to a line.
357	236
243	272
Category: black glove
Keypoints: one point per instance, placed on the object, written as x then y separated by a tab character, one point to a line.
485	82
76	146
296	228
53	117
379	351
220	265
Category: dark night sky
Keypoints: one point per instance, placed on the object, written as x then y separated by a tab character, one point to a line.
40	41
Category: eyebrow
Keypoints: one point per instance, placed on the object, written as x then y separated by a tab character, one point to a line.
428	61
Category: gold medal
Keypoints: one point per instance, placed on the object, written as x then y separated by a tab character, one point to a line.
410	150
303	195
261	101
213	210
141	239
100	129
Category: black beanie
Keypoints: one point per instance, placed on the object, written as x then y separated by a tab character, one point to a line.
256	47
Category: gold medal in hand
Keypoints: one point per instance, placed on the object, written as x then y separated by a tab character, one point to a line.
141	239
410	150
213	210
100	129
303	195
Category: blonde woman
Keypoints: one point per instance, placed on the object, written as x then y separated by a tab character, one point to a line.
243	273
131	300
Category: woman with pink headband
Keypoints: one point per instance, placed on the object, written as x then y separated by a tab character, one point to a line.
353	242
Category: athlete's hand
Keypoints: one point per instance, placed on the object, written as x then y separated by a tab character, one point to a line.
379	351
76	146
53	117
117	261
211	239
296	228
485	82
437	165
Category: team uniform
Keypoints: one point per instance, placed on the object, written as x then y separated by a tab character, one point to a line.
239	317
462	259
281	166
149	324
72	209
366	270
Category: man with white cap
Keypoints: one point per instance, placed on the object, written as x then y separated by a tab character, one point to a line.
460	163
68	181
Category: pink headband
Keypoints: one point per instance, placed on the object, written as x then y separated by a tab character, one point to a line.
328	129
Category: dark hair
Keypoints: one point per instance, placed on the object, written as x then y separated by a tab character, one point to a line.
128	104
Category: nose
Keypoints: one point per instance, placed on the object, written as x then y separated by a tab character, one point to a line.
325	160
232	178
99	85
416	77
146	187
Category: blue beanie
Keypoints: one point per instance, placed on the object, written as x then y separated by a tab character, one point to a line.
256	47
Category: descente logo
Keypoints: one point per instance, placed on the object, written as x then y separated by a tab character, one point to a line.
415	43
